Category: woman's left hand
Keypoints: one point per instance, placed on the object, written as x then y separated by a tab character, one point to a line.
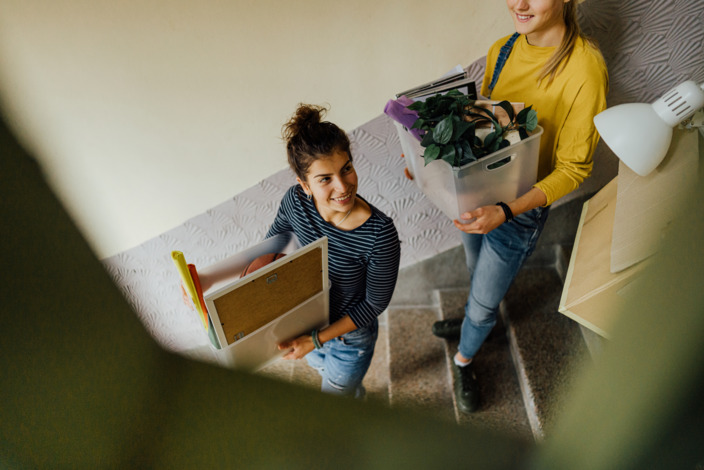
486	219
299	347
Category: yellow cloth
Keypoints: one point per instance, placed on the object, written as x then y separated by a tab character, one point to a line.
565	108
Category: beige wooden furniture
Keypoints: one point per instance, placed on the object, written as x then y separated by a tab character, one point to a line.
621	228
592	293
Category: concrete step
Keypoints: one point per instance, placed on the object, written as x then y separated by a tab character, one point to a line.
418	364
546	346
501	403
420	368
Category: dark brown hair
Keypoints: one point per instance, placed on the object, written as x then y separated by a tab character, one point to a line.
309	138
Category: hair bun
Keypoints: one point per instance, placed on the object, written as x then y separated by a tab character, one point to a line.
309	138
306	118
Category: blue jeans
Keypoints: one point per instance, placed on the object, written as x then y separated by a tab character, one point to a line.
493	260
342	362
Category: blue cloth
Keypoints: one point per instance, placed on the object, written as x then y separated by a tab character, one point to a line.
343	361
501	61
493	260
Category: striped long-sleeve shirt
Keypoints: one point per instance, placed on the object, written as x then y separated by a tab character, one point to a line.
362	263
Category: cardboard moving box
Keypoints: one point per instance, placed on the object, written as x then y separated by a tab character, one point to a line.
621	227
593	295
646	205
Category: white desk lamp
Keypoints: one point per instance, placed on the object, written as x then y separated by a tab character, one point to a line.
640	133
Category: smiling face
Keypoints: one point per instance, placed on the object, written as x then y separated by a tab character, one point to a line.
332	180
540	20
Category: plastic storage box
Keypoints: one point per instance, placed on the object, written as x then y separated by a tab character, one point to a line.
500	176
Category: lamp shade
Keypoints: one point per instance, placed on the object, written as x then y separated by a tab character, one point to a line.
636	134
640	134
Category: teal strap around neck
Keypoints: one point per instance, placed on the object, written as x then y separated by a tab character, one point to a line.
501	61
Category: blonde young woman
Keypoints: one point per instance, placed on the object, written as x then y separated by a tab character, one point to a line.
550	65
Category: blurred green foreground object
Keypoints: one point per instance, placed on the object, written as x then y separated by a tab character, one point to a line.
83	385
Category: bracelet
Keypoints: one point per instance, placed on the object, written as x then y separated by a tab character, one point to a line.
507	211
316	340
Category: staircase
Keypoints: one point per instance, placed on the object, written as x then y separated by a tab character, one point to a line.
524	366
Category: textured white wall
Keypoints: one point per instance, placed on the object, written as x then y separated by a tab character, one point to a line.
144	113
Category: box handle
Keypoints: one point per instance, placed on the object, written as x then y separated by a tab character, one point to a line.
499	163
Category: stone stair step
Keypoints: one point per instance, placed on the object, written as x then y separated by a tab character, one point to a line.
546	346
377	379
417	283
501	406
418	363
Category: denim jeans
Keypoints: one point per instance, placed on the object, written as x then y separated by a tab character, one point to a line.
493	260
342	362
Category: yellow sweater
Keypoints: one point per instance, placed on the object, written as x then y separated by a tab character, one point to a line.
565	108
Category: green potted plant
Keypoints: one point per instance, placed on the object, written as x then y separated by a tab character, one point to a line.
450	122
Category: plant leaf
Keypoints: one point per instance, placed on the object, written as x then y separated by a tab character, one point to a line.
468	134
528	117
431	153
492	141
460	128
448	154
480	151
443	131
427	140
468	155
508	108
532	120
479	118
418	124
497	143
417	106
485	112
458	154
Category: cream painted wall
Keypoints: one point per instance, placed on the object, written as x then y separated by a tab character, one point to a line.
144	113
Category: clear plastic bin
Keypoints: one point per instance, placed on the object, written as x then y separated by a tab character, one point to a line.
500	176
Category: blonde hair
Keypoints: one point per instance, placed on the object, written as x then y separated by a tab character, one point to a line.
559	59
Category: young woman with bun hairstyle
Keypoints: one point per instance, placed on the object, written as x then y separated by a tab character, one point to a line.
363	249
548	64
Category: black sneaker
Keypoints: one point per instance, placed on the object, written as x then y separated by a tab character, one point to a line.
466	388
448	329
